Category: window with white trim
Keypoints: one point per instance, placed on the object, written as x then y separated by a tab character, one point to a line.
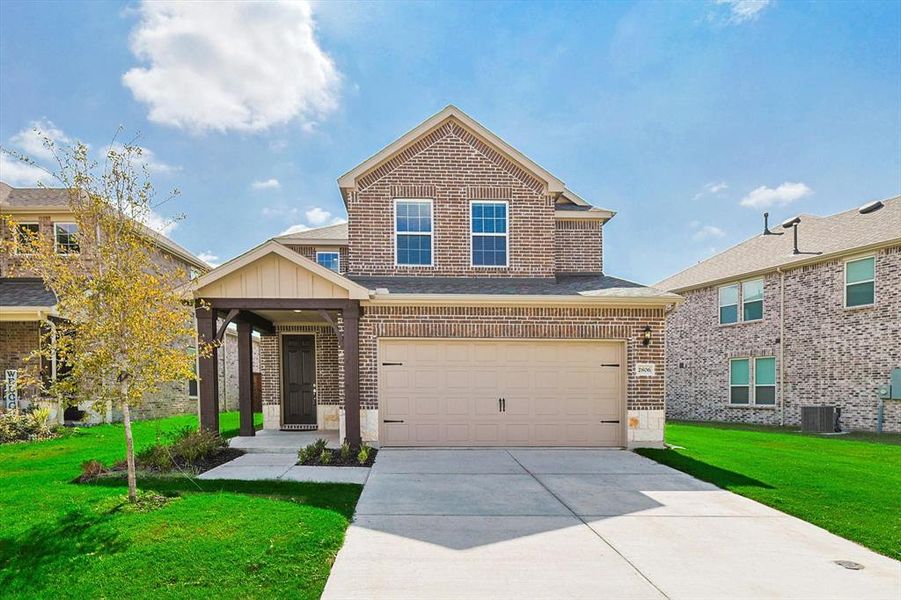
329	260
741	302
413	232
729	304
488	229
752	381
66	238
752	300
26	237
860	282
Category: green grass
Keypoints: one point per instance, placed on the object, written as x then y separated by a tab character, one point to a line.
217	539
847	485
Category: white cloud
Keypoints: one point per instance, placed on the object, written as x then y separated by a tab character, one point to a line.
18	173
31	139
712	188
706	232
209	258
242	66
317	216
280	211
741	11
269	184
159	223
295	229
783	195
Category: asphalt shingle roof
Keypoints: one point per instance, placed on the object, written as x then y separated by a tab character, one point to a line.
24	291
337	232
817	236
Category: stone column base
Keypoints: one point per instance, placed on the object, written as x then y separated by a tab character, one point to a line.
645	428
369	425
272	416
327	417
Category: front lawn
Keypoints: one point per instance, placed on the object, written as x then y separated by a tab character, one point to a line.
217	539
848	485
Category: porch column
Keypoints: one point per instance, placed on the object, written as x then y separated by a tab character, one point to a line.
208	371
245	377
351	316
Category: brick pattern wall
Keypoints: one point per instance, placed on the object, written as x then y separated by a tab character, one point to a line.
18	339
520	323
310	252
578	246
11	264
833	355
450	166
228	369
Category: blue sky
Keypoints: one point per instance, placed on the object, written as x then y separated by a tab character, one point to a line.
689	119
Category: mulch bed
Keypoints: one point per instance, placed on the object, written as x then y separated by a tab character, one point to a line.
337	461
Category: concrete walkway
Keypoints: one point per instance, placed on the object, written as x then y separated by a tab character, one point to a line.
581	524
257	466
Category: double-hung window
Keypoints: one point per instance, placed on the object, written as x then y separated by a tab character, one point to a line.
488	228
66	236
413	232
26	237
329	260
860	282
755	385
741	302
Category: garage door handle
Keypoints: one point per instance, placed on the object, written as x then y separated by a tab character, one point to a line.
616	421
610	364
392	420
385	364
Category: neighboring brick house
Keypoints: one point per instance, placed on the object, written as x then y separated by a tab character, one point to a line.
464	303
26	306
764	330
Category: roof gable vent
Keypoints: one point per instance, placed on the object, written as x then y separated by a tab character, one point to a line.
870	207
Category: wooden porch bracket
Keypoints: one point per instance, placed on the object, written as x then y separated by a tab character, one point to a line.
328	319
225	322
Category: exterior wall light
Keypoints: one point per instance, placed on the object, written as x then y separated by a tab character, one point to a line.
646	336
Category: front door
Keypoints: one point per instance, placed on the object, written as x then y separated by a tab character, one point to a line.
298	379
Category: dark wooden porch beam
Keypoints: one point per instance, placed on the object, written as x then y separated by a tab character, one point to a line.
351	317
245	378
256	321
208	371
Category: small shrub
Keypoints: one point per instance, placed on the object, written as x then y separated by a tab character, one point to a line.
346	451
325	457
154	458
363	454
91	469
41	416
192	445
23	426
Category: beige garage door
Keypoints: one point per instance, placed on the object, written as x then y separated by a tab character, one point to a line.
500	393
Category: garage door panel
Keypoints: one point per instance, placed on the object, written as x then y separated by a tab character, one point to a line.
447	392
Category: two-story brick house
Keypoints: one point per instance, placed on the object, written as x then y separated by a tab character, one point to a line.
27	307
464	303
767	327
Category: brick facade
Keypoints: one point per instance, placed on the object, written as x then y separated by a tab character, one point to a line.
18	339
578	246
833	355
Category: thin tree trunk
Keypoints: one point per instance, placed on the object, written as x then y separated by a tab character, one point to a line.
130	454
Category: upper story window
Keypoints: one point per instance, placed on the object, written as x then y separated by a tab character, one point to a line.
26	236
66	235
757	386
750	294
860	282
329	260
413	232
489	233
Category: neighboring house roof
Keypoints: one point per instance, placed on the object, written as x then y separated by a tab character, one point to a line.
588	286
25	292
56	200
819	238
330	235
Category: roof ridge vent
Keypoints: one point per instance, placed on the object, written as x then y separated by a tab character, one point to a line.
870	207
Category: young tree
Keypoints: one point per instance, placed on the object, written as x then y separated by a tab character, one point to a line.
124	327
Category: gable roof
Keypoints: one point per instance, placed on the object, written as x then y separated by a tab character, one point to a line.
335	235
348	181
819	238
56	200
25	292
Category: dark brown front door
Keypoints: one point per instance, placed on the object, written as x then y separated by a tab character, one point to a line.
298	377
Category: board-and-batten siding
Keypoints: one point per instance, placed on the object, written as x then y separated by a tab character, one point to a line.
273	276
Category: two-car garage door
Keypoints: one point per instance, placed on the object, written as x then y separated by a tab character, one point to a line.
443	392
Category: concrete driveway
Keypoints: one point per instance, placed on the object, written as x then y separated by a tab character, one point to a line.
581	524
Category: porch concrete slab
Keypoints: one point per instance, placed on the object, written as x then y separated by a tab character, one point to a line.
356	475
748	558
499	494
585	461
252	473
446	461
479	557
282	442
267	459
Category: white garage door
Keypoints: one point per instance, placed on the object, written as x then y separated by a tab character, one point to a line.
445	392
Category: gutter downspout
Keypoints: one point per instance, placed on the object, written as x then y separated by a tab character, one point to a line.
781	346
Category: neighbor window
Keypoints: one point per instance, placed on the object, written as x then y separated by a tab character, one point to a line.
329	260
765	380
729	304
752	300
413	232
489	234
860	282
66	238
26	236
739	381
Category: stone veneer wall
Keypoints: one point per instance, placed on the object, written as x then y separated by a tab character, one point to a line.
833	355
578	246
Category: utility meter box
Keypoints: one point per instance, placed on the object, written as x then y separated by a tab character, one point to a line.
884	391
896	383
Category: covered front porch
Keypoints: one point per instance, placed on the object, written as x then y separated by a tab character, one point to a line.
307	317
